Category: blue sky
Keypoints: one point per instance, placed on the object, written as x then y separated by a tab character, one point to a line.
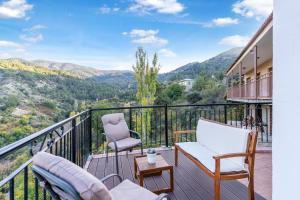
105	33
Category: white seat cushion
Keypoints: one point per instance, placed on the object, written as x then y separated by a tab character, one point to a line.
125	143
205	156
127	190
223	139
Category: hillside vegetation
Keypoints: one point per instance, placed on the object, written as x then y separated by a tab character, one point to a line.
34	97
213	66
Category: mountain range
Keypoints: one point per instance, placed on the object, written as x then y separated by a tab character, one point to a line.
216	64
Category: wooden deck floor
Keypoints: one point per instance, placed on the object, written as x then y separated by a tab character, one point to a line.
190	183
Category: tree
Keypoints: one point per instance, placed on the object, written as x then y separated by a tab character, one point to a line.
174	92
194	97
146	77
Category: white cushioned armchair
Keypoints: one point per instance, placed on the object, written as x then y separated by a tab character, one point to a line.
118	136
65	180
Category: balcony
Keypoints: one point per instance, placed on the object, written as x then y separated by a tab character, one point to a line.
79	140
252	90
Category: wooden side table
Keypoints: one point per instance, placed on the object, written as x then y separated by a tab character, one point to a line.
143	169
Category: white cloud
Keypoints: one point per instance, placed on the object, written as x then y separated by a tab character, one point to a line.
14	9
143	33
253	8
160	6
167	53
32	38
106	10
225	21
146	37
235	40
35	27
9	46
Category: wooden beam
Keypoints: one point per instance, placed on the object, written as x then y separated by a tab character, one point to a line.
255	70
241	65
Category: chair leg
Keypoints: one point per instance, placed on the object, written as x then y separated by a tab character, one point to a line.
217	188
251	188
126	154
176	156
117	162
142	153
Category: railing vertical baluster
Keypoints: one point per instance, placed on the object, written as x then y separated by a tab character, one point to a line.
51	143
64	140
26	183
160	127
130	118
171	122
136	122
225	114
61	141
44	194
267	123
146	125
97	131
214	110
166	126
74	141
90	131
55	143
12	189
235	117
231	116
36	188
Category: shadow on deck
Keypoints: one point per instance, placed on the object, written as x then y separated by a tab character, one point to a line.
190	183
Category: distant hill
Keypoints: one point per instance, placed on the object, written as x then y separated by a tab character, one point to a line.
71	68
213	65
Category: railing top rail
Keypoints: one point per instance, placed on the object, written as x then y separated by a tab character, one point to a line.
173	106
21	143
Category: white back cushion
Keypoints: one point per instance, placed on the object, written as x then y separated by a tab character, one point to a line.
222	139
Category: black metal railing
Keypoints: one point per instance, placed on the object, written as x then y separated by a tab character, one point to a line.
156	124
70	138
81	135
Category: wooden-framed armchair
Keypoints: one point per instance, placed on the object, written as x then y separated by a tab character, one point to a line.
118	136
221	151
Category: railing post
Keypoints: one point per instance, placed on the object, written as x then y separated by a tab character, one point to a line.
166	126
90	131
74	140
130	118
225	114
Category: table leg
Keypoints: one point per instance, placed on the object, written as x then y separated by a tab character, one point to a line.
135	169
141	177
171	179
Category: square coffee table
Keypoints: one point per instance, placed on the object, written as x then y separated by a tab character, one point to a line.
143	169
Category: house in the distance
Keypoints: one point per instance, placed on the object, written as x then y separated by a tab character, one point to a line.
249	78
187	83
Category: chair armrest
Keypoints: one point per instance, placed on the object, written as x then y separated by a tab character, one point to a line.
163	196
179	133
230	155
110	176
113	140
51	179
135	133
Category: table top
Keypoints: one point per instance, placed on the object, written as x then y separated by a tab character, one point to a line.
144	166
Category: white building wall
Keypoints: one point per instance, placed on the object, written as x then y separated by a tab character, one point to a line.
286	96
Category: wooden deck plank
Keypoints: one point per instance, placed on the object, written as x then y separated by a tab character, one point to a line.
189	182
